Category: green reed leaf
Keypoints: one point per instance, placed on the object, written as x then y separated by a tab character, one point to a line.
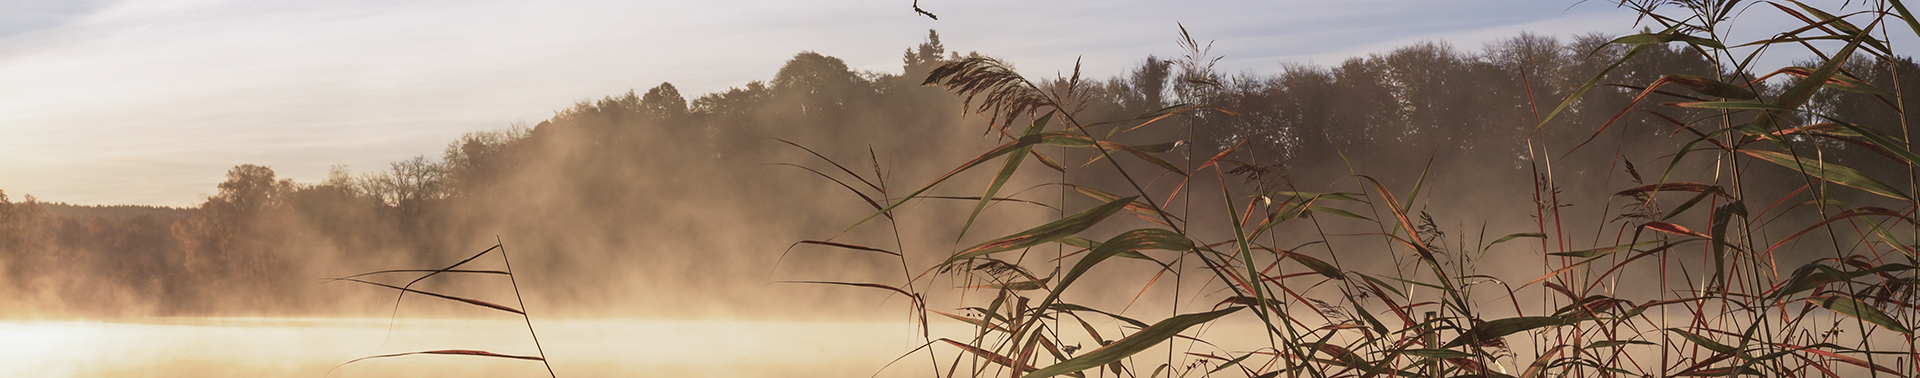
1615	343
1711	87
1316	265
1829	172
1071	224
1130	241
1854	308
1702	341
1858	212
1075	307
1637	49
1733	105
1501	328
1540	365
1664	37
1882	141
1436	353
1912	23
1803	90
1846	28
1012	165
1132	344
1511	237
1009	147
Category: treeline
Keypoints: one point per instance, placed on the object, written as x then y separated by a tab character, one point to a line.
649	199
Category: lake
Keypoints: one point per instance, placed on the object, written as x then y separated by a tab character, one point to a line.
310	347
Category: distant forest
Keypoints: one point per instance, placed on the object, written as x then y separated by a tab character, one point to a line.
650	186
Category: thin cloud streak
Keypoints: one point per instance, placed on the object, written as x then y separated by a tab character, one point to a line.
150	102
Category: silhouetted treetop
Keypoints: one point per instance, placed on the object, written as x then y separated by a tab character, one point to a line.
664	102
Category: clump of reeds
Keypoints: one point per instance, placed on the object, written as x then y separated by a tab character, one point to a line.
401	292
1725	311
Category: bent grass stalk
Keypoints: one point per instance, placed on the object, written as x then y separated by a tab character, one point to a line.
403	290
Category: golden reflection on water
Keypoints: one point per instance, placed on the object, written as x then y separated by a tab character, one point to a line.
313	347
259	347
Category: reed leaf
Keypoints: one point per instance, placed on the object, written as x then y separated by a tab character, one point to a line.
1881	141
470	301
1803	90
1854	308
1704	342
1486	332
1128	346
848	246
1045	233
444	352
1858	212
1003	149
1730	105
1839	80
1815	349
857	284
1130	241
1675	187
462	271
1075	307
1435	353
1012	165
990	355
1829	172
1511	237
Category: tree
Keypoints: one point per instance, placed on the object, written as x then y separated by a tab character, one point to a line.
250	188
663	103
919	61
409	185
817	85
1150	81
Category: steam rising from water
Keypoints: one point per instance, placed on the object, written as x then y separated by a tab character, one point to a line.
311	347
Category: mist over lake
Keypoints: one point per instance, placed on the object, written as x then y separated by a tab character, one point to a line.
1665	193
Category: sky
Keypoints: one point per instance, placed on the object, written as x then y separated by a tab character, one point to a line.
151	102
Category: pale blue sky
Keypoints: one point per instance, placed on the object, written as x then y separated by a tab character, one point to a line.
150	102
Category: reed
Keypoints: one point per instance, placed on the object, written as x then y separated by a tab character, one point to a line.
1724	304
401	291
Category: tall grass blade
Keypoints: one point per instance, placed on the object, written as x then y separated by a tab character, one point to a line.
1704	342
1009	147
1858	212
1487	332
1006	171
462	271
470	301
990	355
1539	366
1135	343
1829	172
1130	241
1066	226
848	246
1882	142
1803	90
857	284
1907	16
1815	349
447	352
1854	308
1640	43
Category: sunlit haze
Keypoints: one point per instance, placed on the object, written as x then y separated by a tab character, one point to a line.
727	188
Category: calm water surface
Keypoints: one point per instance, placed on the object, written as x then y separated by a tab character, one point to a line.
262	347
